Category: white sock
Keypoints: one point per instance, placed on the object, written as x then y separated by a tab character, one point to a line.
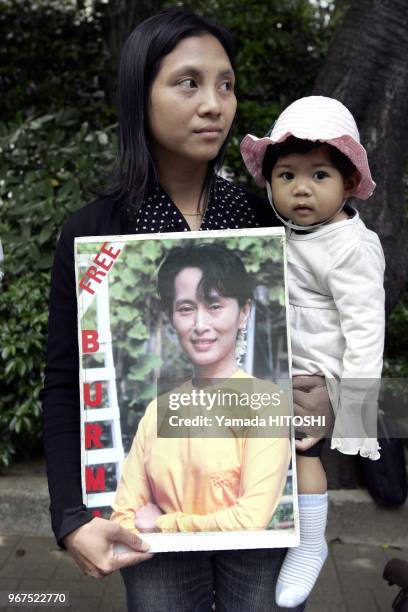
302	564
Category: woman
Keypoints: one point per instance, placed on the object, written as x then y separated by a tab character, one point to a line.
176	106
193	483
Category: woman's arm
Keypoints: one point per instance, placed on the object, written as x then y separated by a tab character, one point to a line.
90	542
263	476
61	408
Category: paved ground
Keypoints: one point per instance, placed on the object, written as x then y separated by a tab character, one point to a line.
362	538
351	580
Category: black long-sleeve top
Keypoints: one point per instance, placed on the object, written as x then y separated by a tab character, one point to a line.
228	207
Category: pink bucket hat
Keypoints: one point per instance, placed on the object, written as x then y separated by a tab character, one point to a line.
313	118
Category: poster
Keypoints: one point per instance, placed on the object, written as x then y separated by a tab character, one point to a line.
186	404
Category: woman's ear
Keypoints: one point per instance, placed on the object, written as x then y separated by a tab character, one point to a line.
350	184
245	311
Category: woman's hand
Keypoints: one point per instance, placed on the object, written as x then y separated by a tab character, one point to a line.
92	547
310	398
146	517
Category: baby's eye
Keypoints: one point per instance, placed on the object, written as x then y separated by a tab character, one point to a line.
286	176
187	84
215	306
320	175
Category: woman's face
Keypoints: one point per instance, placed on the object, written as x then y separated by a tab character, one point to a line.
192	102
207	330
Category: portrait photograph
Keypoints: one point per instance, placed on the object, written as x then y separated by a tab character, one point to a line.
185	387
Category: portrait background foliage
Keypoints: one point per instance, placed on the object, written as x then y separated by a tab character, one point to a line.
58	138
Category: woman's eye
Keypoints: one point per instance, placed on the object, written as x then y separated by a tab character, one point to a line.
227	86
215	306
188	83
184	309
320	175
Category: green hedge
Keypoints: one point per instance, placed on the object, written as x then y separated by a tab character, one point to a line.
51	56
23	328
47	163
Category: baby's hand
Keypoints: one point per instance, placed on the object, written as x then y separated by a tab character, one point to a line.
306	443
146	516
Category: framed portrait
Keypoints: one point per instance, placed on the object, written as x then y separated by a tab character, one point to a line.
185	385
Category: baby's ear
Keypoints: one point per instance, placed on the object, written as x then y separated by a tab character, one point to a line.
350	184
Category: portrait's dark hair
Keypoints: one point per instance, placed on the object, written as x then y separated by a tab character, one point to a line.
140	63
223	271
297	145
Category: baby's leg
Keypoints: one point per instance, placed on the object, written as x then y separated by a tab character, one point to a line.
303	563
311	476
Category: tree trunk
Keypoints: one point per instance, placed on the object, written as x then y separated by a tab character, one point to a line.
366	68
119	18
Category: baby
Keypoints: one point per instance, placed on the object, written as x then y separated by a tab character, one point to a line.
311	162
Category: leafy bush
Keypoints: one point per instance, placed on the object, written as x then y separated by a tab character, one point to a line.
45	160
23	328
51	56
45	163
396	350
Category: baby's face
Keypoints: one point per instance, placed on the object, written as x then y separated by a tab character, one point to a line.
307	188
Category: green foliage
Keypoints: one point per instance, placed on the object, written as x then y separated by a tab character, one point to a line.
136	318
46	161
396	351
23	316
51	56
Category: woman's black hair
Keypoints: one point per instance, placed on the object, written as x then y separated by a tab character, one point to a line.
222	271
297	145
140	63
